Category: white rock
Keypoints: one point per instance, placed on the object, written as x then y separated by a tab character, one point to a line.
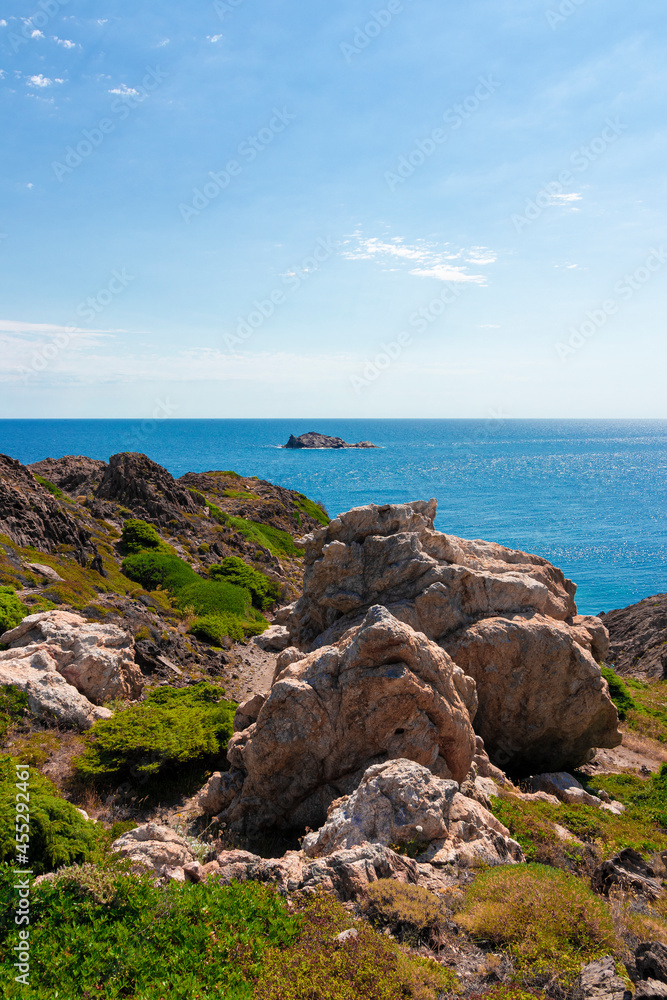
273	639
154	846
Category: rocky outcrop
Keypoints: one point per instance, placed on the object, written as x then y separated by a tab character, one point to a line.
147	489
155	847
627	871
638	639
567	789
383	692
31	516
96	659
401	802
651	961
75	474
507	618
600	981
314	440
543	702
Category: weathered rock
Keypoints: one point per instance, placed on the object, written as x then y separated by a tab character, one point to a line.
314	440
247	712
650	989
147	489
154	846
75	474
402	802
274	639
383	692
565	787
391	555
599	981
651	960
628	871
543	702
98	660
638	638
46	571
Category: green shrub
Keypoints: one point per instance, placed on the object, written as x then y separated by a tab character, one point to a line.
12	610
59	835
172	727
13	708
158	569
264	591
620	695
279	543
208	597
411	913
370	966
216	627
547	919
139	536
51	487
112	935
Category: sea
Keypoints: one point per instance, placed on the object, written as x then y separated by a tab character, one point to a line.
589	495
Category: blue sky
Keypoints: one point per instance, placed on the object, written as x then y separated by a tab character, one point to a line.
257	208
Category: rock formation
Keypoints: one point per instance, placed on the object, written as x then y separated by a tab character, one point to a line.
314	440
147	489
68	667
401	802
507	617
75	474
638	637
153	846
383	692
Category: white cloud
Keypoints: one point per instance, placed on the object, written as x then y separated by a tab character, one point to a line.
65	42
3	23
431	261
214	38
161	45
37	34
2	74
30	184
125	91
566	199
39	81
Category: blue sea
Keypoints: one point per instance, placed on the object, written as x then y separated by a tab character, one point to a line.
589	495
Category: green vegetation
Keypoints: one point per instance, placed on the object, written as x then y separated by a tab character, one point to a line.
240	494
139	536
620	695
12	610
411	913
13	708
649	715
645	801
265	592
312	509
548	920
279	543
51	487
170	729
59	835
159	569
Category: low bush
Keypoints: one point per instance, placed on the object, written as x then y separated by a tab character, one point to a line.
265	592
51	487
411	913
312	509
13	708
279	543
217	627
172	727
58	834
158	569
139	536
12	610
547	919
620	694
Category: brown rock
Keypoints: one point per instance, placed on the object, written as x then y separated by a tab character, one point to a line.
154	846
383	692
628	871
638	637
74	474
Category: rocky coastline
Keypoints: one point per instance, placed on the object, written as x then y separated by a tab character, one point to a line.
389	707
314	440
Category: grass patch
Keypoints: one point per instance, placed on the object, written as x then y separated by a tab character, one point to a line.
13	708
239	494
58	834
264	592
51	487
312	509
546	919
171	728
12	610
413	914
620	695
649	715
138	536
276	541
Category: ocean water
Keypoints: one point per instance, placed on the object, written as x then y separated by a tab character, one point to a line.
589	495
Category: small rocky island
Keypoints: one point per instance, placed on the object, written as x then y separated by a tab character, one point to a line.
314	440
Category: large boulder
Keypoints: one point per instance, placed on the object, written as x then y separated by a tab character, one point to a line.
384	691
401	802
96	659
543	702
149	491
391	555
153	846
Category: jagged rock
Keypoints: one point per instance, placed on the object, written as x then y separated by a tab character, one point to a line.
543	702
599	981
383	692
638	638
402	802
31	516
45	571
247	712
650	989
651	960
274	639
98	660
74	474
147	489
154	846
628	871
314	440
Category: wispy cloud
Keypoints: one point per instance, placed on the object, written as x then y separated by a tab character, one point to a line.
65	42
39	81
428	260
213	38
566	199
125	91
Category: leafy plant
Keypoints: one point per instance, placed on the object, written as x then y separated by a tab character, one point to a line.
13	708
158	569
139	536
12	610
172	727
412	913
620	695
215	628
264	591
51	487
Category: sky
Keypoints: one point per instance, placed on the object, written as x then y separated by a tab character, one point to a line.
257	208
